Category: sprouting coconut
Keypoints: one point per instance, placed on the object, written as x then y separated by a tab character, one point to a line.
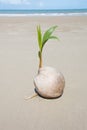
48	82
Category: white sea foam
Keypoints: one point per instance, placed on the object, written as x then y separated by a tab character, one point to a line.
42	14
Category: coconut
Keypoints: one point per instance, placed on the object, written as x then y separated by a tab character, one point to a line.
49	83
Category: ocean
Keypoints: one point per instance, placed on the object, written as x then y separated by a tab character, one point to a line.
51	12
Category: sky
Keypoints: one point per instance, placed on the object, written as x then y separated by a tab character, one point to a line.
43	4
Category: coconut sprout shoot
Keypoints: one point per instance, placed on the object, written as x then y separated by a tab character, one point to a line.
42	39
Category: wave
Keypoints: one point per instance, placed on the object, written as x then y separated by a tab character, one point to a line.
67	12
61	14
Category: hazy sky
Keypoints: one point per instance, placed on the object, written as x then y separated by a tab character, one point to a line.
43	4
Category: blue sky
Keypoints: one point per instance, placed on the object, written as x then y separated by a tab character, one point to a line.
42	4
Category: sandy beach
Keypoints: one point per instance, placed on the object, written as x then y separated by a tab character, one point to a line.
19	65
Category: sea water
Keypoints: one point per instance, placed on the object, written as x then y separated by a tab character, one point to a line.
50	12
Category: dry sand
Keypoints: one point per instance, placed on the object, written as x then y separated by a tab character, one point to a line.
19	64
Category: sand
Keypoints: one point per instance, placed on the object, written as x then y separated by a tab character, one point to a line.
19	65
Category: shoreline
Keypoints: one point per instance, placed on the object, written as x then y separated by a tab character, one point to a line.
44	15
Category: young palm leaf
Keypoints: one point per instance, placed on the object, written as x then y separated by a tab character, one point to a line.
39	37
48	35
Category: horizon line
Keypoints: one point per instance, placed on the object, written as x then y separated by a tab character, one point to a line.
45	9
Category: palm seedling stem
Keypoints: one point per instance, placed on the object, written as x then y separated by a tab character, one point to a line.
40	62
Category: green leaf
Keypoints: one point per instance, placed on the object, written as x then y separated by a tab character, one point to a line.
53	37
47	35
39	37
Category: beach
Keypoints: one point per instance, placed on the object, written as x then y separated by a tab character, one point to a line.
19	65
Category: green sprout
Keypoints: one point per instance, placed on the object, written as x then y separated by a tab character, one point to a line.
42	39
